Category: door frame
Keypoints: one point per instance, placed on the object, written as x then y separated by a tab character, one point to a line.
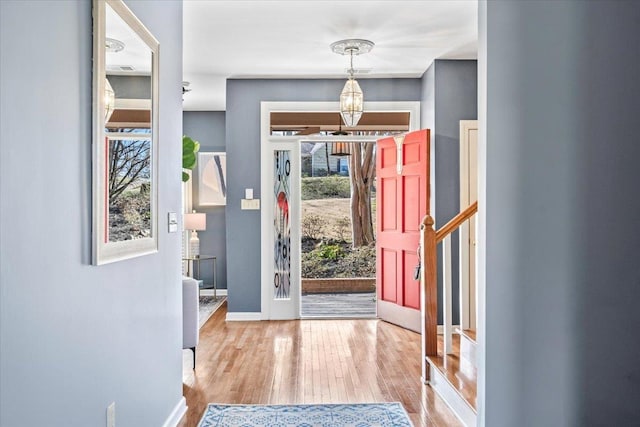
267	141
469	305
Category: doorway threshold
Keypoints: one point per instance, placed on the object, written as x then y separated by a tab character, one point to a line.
338	305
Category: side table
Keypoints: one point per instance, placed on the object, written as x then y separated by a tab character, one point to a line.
196	261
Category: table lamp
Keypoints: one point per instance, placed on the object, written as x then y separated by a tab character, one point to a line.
194	222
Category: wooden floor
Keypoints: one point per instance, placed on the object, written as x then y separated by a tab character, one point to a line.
309	361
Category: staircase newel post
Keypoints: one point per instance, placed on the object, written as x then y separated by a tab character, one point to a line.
429	294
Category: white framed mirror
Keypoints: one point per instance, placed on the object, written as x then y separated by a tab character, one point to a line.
125	135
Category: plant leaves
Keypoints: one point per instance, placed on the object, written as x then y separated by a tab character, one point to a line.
188	145
189	150
188	161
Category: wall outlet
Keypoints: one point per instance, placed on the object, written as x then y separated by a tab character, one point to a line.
111	415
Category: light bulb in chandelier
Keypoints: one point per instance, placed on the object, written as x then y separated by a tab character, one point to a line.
109	100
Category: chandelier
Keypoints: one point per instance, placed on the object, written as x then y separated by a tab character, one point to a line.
351	97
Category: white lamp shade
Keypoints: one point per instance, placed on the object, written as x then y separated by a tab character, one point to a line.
351	103
195	221
341	149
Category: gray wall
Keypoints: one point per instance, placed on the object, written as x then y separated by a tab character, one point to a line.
243	164
75	337
208	128
563	279
131	87
449	94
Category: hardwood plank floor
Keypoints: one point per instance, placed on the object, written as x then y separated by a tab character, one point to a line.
309	361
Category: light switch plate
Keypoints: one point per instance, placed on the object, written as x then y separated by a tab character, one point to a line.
173	222
250	204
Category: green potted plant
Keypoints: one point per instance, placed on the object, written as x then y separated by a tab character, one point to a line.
189	150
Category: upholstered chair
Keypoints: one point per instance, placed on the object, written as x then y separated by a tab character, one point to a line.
190	307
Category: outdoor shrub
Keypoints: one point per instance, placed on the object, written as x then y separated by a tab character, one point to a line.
342	228
312	226
331	252
359	262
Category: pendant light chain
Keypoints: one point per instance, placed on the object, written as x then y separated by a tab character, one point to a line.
351	63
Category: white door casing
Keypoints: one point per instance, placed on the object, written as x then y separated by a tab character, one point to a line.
272	309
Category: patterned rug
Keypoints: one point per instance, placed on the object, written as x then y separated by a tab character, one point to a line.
208	306
330	415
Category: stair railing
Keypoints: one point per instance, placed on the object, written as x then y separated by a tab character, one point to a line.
429	239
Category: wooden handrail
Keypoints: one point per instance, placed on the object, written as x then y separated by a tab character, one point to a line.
429	239
456	222
429	284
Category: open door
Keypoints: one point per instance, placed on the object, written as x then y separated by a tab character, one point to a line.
402	170
468	195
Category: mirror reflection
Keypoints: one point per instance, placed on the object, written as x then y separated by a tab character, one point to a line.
128	139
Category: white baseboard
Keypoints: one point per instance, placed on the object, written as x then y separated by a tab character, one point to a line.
177	414
452	398
209	292
241	316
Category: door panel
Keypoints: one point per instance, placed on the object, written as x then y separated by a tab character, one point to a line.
389	268
411	286
411	204
388	208
403	201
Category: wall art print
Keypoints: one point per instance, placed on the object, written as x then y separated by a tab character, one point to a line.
282	225
212	179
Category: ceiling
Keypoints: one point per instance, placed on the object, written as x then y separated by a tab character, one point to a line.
290	39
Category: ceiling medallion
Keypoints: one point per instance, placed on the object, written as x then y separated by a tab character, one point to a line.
349	46
113	45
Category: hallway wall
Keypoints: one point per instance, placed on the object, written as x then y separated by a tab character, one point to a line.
75	337
449	94
562	213
243	161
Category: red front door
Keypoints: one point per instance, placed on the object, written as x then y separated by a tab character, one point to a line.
402	170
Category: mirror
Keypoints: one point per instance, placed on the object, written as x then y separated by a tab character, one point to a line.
125	136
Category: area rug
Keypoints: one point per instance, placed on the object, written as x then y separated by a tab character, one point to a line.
208	306
324	415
